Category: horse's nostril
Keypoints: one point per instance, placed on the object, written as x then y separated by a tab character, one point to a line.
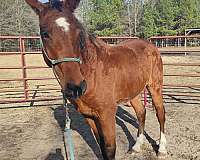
71	86
75	91
68	93
83	86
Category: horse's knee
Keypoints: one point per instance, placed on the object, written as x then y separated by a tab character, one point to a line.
141	115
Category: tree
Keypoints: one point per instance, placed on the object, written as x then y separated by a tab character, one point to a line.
169	17
104	18
147	24
166	13
111	17
17	18
188	15
132	15
83	11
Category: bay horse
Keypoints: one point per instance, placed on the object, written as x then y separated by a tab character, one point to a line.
96	76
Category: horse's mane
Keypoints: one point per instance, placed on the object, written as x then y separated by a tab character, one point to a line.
84	36
96	41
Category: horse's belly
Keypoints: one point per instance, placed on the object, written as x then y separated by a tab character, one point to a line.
130	85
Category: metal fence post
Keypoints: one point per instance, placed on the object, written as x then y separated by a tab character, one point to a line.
145	97
23	63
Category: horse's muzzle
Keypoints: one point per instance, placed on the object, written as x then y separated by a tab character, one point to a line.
75	91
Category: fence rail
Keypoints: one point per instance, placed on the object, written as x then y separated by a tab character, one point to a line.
177	44
176	41
23	46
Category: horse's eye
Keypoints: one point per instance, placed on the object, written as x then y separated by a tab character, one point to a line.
44	34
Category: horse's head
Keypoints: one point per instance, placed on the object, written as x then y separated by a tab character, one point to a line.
62	36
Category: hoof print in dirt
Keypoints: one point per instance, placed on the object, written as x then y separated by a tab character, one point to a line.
134	152
161	155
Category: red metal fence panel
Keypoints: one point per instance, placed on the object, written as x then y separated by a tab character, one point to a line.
177	44
23	46
26	48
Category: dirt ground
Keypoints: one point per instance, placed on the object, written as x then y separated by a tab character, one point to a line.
33	131
36	133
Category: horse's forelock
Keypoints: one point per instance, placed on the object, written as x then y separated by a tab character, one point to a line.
56	4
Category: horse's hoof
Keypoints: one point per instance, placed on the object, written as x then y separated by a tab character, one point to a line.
162	155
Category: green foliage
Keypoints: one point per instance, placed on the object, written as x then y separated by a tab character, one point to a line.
165	18
188	15
112	17
104	18
148	26
169	17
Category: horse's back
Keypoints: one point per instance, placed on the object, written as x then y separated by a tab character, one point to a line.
145	51
141	47
141	61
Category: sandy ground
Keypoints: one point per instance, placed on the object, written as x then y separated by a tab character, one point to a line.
36	133
26	135
33	131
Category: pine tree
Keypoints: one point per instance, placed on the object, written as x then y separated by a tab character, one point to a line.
169	17
166	12
147	24
188	15
104	18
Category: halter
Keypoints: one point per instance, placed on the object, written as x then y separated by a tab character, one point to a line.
58	61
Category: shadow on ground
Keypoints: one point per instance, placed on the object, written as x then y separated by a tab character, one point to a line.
79	125
124	116
55	156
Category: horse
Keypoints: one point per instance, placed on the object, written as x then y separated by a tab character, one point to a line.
96	76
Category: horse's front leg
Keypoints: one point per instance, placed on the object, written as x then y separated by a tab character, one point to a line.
107	135
93	126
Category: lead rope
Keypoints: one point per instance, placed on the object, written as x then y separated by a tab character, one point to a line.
67	130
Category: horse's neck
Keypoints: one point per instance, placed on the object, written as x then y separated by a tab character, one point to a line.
95	51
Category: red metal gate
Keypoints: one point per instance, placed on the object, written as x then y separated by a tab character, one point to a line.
23	47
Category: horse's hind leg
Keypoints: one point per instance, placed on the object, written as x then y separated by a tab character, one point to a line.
140	113
156	93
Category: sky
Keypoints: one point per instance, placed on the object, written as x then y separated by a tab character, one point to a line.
43	1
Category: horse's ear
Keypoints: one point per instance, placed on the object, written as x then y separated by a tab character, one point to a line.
71	4
36	5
